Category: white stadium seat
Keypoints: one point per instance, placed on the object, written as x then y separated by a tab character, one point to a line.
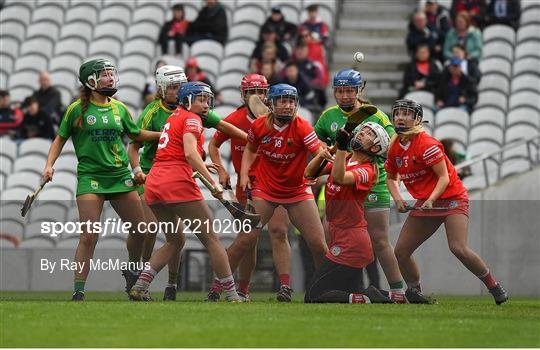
72	45
8	148
25	78
452	131
10	47
6	165
66	79
208	47
16	194
14	28
81	13
149	13
31	163
23	179
12	228
230	80
111	29
452	115
38	243
244	30
132	78
52	11
223	111
47	211
34	146
499	32
31	61
425	98
40	45
496	65
19	93
135	62
488	115
526	65
530	15
528	32
498	48
230	96
526	82
146	29
486	132
64	180
16	10
66	162
237	64
524	115
45	28
105	45
65	61
239	47
142	46
525	98
249	13
119	12
210	64
528	49
492	98
495	82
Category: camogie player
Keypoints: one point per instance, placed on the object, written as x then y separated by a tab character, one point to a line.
339	278
96	122
278	224
431	179
168	81
348	87
173	194
280	142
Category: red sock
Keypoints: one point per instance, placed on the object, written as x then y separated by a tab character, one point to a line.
284	279
488	280
243	287
216	286
358	299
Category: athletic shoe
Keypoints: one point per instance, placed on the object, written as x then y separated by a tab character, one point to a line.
78	296
376	296
398	298
234	300
244	297
414	296
170	294
213	296
139	294
130	278
499	294
284	294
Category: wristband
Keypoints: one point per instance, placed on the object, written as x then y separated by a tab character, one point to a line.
136	170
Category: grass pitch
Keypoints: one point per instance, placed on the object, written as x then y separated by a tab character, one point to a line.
46	319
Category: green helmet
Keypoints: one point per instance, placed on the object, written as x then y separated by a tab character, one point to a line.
92	69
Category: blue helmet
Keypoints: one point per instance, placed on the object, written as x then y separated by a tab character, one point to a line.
188	91
282	90
348	77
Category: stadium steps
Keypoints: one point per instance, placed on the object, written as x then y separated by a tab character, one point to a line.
378	29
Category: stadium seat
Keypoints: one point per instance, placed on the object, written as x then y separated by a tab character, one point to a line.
486	132
6	165
207	47
141	46
231	96
6	68
499	32
496	65
133	79
14	195
65	180
135	62
144	29
34	146
65	62
47	211
72	214
57	195
45	28
40	45
106	45
82	13
66	79
520	131
237	64
130	96
528	49
2	181
526	65
452	131
16	10
23	179
67	163
452	115
525	98
492	98
481	147
429	117
32	62
30	163
8	148
11	211
150	13
38	243
526	82
116	11
498	48
524	115
19	93
111	29
210	64
494	82
51	11
530	15
528	32
12	228
514	166
224	110
72	45
230	80
425	98
488	115
246	30
68	242
25	78
10	47
14	28
239	47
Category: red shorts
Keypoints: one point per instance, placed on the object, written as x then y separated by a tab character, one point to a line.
350	246
241	196
457	205
171	184
258	191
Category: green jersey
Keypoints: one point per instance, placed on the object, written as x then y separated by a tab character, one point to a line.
97	136
153	118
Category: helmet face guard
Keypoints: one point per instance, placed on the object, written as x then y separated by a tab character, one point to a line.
283	101
348	78
378	137
410	109
254	84
167	76
93	72
189	91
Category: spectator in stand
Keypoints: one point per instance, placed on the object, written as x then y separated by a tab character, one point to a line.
10	118
211	23
49	98
269	55
36	122
438	20
195	73
466	35
305	92
476	9
149	90
270	73
174	30
456	89
419	33
423	73
311	70
286	31
269	36
505	12
318	29
469	67
456	157
316	53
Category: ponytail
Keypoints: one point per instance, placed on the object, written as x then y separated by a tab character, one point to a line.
85	98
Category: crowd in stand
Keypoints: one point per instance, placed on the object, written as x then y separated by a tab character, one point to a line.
446	47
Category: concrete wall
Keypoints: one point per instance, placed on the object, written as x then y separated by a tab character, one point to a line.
504	230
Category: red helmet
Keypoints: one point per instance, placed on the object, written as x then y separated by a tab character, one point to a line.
253	81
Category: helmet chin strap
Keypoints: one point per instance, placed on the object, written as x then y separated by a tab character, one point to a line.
109	92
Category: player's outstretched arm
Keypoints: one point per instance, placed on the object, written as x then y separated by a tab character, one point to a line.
313	166
194	158
392	182
231	130
54	153
134	161
249	156
145	135
215	156
339	175
441	172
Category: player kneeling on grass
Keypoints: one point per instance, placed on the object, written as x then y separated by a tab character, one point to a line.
173	194
339	278
431	179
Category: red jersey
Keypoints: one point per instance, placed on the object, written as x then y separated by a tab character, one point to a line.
282	156
413	163
241	119
345	204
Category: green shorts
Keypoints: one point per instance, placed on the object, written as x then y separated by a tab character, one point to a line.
105	183
378	198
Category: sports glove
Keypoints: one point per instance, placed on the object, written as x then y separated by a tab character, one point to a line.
343	138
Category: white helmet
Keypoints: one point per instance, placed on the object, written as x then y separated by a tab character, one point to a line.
169	75
381	138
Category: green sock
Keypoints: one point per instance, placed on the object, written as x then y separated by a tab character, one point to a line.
79	285
396	285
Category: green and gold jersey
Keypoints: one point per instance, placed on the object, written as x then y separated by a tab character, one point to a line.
153	118
334	118
97	135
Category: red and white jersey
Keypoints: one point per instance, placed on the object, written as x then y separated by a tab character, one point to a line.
345	204
241	119
282	156
171	143
413	162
